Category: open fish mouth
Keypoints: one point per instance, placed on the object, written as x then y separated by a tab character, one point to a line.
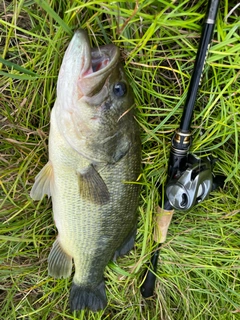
103	58
86	66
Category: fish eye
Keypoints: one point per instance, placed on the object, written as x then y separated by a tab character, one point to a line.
119	89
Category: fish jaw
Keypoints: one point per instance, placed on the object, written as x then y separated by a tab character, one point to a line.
84	70
76	63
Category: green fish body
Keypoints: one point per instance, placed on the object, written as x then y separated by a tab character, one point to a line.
94	162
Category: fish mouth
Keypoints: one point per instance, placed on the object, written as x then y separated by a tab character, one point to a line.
86	66
103	59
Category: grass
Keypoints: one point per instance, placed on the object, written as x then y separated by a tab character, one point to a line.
198	274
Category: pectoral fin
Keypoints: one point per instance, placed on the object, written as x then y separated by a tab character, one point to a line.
59	262
92	187
42	184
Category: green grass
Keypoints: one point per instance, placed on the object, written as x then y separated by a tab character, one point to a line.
198	274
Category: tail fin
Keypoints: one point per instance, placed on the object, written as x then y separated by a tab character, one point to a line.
82	297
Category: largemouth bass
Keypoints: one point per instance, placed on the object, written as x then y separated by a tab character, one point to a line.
94	160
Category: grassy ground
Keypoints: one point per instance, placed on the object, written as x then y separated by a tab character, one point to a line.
198	274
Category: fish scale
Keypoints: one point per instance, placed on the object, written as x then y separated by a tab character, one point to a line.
94	163
80	209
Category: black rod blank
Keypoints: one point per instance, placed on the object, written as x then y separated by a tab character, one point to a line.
147	288
199	65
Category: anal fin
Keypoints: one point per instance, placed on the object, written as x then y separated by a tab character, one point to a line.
59	262
43	182
126	246
92	187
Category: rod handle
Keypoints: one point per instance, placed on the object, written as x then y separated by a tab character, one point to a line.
163	218
147	288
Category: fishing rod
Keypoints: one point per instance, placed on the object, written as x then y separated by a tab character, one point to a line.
190	179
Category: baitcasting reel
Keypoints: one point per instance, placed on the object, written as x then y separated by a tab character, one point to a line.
190	179
193	186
